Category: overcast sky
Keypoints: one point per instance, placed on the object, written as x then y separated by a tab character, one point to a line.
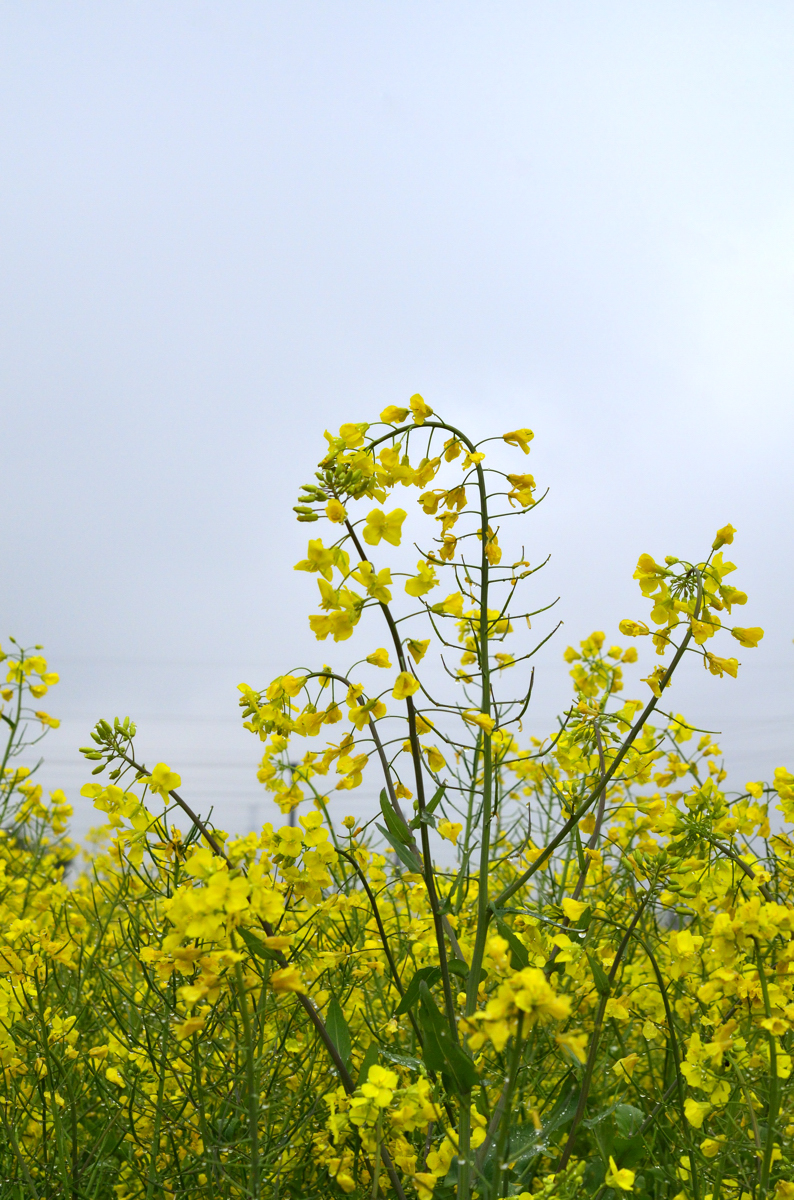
228	226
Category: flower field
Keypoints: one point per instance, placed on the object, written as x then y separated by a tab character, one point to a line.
551	967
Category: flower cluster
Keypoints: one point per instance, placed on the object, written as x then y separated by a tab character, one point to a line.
549	967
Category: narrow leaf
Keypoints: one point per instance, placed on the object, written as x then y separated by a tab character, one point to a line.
397	828
405	855
599	975
369	1060
519	955
338	1030
257	947
428	975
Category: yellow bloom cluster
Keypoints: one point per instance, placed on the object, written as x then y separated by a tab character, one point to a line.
549	967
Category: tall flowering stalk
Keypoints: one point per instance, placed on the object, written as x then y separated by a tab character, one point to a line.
590	992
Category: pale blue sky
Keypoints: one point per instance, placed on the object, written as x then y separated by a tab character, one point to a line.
226	226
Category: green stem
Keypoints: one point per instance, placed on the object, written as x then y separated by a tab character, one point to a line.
679	1081
158	1118
774	1099
599	1020
427	865
376	1165
18	1155
253	1097
500	1174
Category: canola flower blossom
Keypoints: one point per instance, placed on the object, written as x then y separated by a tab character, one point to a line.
557	964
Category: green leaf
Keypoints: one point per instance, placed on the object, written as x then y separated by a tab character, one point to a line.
441	1052
428	975
405	855
580	852
628	1119
434	803
397	828
519	955
257	947
404	1060
424	818
584	921
458	967
599	976
338	1030
369	1060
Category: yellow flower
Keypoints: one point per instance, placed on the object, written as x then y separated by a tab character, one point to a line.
46	719
573	909
625	1066
190	1026
384	525
481	720
623	1178
405	685
112	1076
523	489
493	551
435	759
285	685
163	780
335	511
379	658
696	1111
576	1043
450	830
452	606
374	582
288	979
417	585
519	437
424	1183
633	628
417	650
290	841
748	637
533	994
724	537
420	410
380	1085
718	666
352	434
322	560
394	415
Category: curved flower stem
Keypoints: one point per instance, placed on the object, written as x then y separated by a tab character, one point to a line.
427	865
